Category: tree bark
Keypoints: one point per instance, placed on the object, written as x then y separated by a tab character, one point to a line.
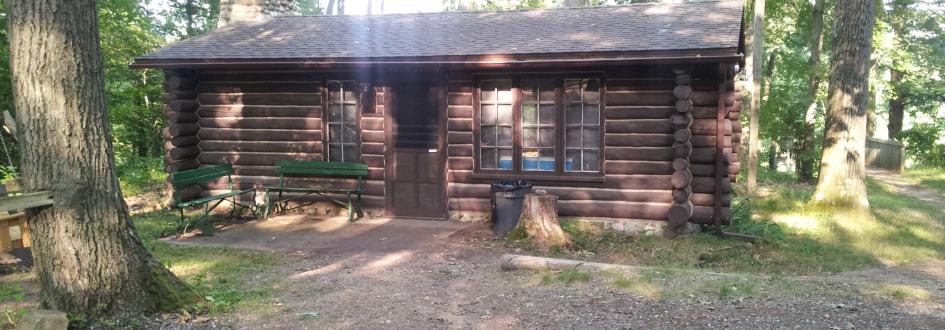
897	104
842	168
89	260
757	51
804	164
539	221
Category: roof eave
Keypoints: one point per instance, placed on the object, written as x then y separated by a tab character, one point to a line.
717	55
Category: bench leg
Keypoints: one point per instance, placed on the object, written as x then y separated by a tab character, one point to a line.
180	221
359	208
350	208
265	213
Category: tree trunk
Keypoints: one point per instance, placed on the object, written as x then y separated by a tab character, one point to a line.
757	51
842	168
575	3
805	146
89	260
539	221
897	104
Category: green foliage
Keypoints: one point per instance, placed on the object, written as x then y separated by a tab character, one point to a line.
567	277
139	175
922	144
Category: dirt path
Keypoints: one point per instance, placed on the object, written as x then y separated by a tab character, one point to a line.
364	278
907	188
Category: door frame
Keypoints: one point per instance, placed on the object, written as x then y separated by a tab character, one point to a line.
438	81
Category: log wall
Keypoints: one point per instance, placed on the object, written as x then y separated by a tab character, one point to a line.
180	135
645	133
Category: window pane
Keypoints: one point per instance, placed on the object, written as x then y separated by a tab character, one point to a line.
547	160
487	136
592	91
547	90
350	153
488	115
487	158
591	137
572	90
590	160
529	113
351	113
573	114
505	114
334	113
350	133
546	114
591	114
334	133
505	159
530	160
547	137
505	136
334	153
529	91
505	91
487	90
572	161
334	89
349	91
573	137
530	137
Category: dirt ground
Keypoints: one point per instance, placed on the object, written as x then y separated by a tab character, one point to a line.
442	275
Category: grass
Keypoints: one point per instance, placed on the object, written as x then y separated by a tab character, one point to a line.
11	297
566	277
221	275
795	237
928	177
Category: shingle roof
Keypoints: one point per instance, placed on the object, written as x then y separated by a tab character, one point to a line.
631	28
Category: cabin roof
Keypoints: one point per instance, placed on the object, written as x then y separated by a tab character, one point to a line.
695	29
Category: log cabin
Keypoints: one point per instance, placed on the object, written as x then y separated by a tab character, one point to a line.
627	113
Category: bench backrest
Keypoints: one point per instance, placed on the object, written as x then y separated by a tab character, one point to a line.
328	169
184	179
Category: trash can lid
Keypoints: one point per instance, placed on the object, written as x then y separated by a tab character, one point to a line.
510	184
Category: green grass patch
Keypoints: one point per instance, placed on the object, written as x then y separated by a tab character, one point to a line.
222	275
12	296
795	237
928	177
566	277
734	288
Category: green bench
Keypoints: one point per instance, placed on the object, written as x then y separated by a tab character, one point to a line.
294	168
185	179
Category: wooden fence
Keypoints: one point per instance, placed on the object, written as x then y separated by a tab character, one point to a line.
885	154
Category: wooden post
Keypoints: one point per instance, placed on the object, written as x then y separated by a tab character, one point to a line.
539	221
681	210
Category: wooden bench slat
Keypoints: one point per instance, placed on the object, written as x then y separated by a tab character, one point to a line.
186	178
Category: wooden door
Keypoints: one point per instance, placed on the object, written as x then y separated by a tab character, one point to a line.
416	186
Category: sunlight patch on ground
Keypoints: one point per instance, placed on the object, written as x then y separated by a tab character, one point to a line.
897	292
798	221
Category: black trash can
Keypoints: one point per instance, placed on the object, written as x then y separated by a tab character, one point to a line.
507	197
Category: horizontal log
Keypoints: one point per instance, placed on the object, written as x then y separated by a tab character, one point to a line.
459	138
373	136
373	160
174	117
638	112
461	163
373	124
459	87
614	209
182	141
704	170
179	82
510	262
460	150
460	112
454	124
260	99
291	111
705	112
259	134
181	165
470	204
638	140
262	146
708	141
459	99
639	153
640	84
683	79
628	195
262	123
707	155
709	127
370	187
647	126
468	190
703	215
259	87
181	105
254	158
706	185
372	148
183	129
634	98
681	120
638	167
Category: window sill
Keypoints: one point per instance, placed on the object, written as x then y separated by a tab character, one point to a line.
540	177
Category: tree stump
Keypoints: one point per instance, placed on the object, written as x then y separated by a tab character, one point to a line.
539	221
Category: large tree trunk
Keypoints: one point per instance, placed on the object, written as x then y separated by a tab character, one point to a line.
842	169
804	165
897	104
757	51
89	260
539	221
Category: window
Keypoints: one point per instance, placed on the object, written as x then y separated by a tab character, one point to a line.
342	118
582	125
542	125
495	125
